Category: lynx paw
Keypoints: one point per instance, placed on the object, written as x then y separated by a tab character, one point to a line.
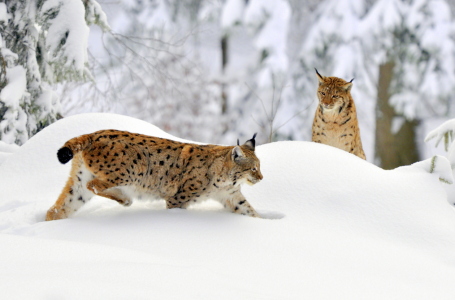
126	202
242	207
55	214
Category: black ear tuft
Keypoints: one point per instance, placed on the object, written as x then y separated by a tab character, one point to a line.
251	144
320	77
352	80
238	142
64	155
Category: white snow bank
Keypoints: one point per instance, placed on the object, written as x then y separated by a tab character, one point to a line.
6	150
335	227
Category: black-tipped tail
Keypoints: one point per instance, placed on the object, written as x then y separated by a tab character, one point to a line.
64	155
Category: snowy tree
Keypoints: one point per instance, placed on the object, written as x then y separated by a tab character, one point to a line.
445	132
253	92
400	53
412	43
231	16
148	70
42	43
211	71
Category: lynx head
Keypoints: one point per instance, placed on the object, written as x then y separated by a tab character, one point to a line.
333	92
246	166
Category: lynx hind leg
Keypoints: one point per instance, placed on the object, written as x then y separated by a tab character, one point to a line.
238	204
108	190
74	194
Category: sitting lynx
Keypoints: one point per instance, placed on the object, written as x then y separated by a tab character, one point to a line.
119	164
335	122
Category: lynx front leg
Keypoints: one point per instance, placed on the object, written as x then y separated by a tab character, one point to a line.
238	204
61	209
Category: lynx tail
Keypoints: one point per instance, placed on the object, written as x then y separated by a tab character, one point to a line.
64	155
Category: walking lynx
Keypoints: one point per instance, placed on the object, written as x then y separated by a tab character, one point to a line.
335	121
119	165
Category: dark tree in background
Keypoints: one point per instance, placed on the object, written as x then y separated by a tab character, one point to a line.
393	149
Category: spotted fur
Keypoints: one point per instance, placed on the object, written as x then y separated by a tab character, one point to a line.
120	165
335	121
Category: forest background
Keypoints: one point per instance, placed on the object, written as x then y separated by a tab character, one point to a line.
214	71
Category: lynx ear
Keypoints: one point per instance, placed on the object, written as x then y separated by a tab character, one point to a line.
251	144
347	87
320	77
237	153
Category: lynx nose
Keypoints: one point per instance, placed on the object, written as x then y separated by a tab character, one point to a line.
260	175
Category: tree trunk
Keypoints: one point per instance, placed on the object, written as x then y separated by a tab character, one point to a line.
392	149
224	62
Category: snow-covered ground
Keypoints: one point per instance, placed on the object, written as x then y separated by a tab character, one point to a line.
334	227
6	150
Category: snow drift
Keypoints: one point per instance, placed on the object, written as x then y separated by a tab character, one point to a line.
334	227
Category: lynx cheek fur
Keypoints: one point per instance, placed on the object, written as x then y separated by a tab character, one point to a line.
119	164
335	121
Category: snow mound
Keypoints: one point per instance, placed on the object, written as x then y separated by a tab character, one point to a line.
334	227
6	150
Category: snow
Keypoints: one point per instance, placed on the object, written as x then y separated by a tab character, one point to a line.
445	132
6	150
387	13
95	15
232	13
438	133
4	16
437	164
14	90
270	20
334	227
67	35
156	16
12	97
423	60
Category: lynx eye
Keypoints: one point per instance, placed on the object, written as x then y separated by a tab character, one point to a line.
322	93
254	169
335	96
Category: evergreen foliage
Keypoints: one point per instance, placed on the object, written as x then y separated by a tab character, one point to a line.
42	43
